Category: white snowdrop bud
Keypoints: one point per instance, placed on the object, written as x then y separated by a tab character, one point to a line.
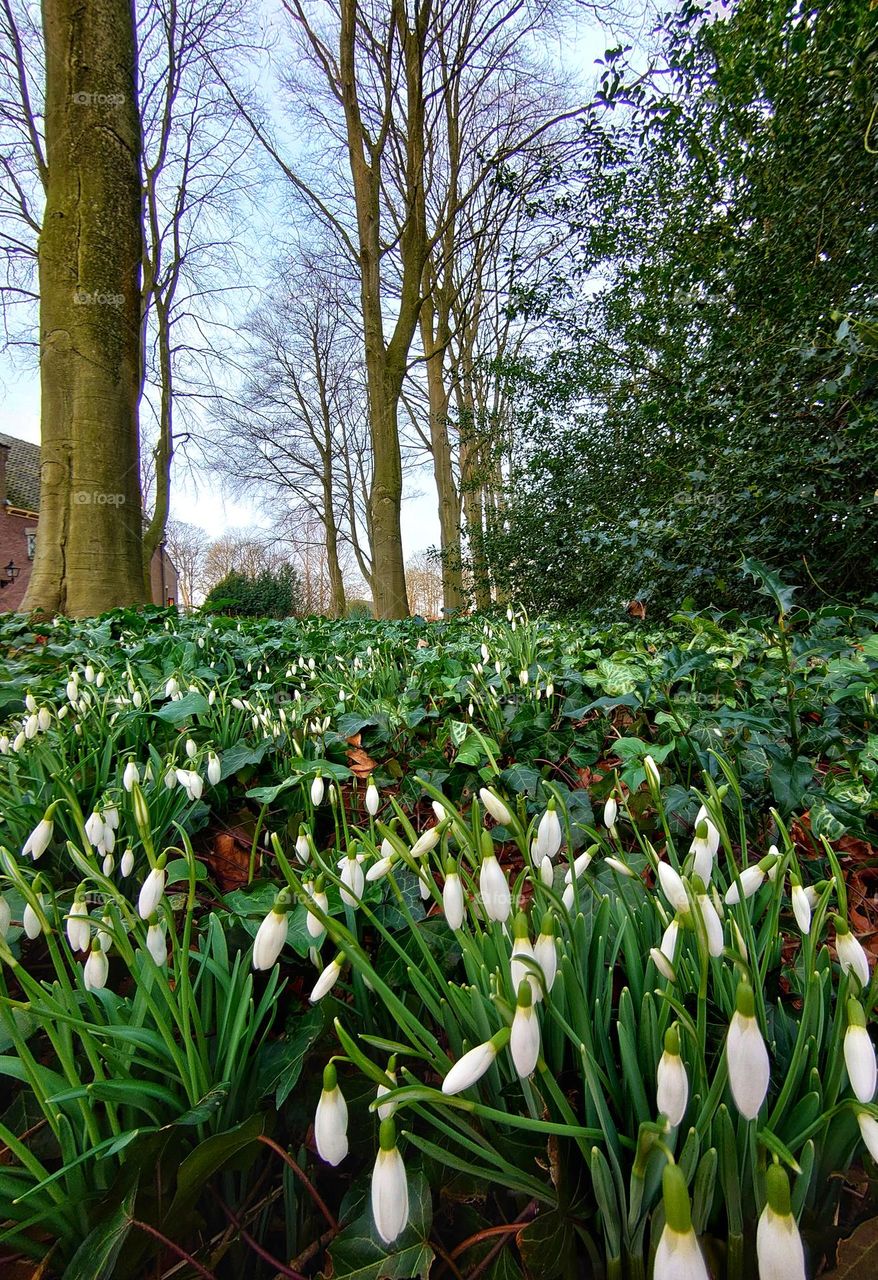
373	800
549	834
156	945
524	1040
473	1065
130	776
452	897
495	806
214	768
779	1251
126	866
151	892
672	1083
859	1054
96	969
747	1056
331	1120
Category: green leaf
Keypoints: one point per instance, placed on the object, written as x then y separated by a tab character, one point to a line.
358	1254
191	704
96	1257
207	1159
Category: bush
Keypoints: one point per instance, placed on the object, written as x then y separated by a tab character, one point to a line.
269	595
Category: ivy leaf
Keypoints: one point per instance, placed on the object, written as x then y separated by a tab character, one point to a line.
358	1254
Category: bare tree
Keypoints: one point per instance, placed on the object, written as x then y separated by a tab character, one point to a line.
296	433
187	545
425	586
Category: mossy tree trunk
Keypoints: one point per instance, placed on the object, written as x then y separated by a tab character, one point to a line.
89	539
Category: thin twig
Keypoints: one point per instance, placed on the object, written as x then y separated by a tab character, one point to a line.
300	1173
175	1248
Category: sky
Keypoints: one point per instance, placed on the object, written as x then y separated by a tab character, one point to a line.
202	500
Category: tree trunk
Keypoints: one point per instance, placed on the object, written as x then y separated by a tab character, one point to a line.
89	538
434	343
471	490
154	533
385	495
337	601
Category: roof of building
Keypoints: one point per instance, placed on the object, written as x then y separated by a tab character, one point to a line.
22	473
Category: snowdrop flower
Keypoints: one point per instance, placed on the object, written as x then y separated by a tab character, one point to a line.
859	1054
390	1192
94	829
678	1256
155	944
33	925
751	879
130	776
869	1132
303	847
137	698
171	687
271	935
801	904
546	956
353	881
651	769
568	898
78	927
747	1055
373	799
851	955
191	782
382	867
19	740
493	886
96	969
31	727
704	846
673	887
425	842
214	768
452	896
317	791
191	749
386	1109
611	811
331	1120
5	916
72	690
126	866
495	806
473	1065
524	1039
663	964
439	810
672	1083
547	872
713	925
549	834
580	865
151	891
668	946
41	837
99	679
327	979
30	702
617	865
318	897
779	1250
170	778
521	946
44	718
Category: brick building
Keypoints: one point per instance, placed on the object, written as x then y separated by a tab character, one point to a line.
19	515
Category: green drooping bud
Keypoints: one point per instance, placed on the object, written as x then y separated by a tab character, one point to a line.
672	1040
387	1135
678	1210
744	1002
330	1077
777	1190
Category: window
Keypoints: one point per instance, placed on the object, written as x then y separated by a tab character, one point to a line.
31	536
